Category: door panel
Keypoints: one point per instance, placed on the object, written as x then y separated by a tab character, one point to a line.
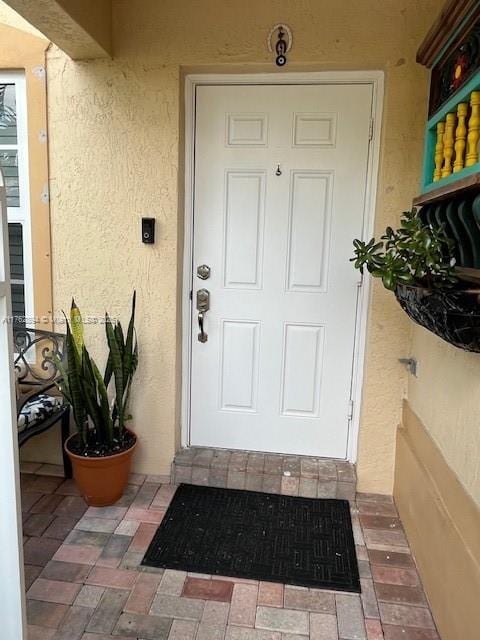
310	213
280	176
239	370
244	224
302	370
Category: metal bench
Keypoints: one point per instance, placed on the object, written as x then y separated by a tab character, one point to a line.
39	404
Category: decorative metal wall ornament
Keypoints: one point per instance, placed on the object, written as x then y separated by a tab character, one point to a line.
453	70
279	41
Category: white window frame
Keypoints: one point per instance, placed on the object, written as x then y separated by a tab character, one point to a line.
21	214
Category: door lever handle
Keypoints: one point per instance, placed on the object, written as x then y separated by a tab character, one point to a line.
202	336
203	305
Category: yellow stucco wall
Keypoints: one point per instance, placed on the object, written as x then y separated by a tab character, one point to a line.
446	397
115	153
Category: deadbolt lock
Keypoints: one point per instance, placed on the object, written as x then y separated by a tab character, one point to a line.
203	300
203	272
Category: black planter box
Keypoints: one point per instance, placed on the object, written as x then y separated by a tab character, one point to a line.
453	315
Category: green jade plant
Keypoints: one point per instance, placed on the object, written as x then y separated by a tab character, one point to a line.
100	418
415	254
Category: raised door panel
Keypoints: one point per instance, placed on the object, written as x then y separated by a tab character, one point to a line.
310	210
302	370
239	351
314	129
244	228
247	129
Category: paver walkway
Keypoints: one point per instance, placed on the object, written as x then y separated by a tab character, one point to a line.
84	582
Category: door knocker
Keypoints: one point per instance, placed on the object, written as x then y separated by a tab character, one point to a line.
280	42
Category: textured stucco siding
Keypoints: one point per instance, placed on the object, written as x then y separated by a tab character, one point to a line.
115	152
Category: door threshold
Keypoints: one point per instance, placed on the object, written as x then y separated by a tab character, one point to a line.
305	476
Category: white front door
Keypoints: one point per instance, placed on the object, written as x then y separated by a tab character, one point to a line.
280	174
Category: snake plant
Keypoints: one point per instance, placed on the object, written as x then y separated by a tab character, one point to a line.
99	413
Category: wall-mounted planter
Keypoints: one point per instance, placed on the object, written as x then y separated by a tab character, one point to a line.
454	316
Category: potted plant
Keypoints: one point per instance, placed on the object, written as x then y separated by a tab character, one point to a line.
101	449
416	263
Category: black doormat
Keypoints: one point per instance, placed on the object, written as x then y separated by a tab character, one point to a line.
261	536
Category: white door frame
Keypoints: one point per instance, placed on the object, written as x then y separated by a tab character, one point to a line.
12	593
376	80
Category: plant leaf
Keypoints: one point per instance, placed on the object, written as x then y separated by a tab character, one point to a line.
117	367
129	364
77	327
104	403
75	387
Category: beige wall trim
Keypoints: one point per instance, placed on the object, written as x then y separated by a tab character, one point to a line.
442	524
81	28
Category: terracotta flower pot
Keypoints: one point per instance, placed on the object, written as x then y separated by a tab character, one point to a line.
101	481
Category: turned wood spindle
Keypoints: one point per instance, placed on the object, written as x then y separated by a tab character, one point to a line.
448	141
473	130
437	174
460	136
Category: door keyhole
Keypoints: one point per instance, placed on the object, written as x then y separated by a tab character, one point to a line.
278	172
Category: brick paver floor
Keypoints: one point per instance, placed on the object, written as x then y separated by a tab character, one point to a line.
84	582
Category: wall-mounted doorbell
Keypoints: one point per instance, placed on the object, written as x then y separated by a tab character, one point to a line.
148	230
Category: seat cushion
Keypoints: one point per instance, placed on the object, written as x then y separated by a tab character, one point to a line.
38	409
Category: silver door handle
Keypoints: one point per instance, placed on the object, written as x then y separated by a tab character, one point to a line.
203	305
202	336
